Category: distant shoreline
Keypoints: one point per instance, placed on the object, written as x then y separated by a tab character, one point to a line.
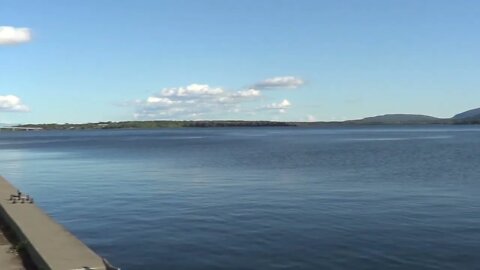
385	121
471	117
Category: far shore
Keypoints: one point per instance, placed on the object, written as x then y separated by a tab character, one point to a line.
224	123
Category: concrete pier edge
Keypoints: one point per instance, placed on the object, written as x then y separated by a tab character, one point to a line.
48	244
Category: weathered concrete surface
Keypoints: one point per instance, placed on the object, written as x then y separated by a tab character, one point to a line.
50	245
8	260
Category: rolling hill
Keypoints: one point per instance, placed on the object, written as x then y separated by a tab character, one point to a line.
397	119
470	114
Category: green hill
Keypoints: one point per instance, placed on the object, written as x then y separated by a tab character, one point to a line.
398	119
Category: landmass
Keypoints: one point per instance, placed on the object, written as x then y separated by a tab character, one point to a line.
470	117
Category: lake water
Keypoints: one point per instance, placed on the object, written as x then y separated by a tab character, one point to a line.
260	198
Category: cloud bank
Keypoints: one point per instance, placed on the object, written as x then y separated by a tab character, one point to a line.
280	82
11	35
11	103
202	101
193	101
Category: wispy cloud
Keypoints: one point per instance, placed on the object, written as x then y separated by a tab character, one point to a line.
11	103
280	82
311	118
12	35
247	93
192	90
281	106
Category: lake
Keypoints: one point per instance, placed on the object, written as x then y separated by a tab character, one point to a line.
260	198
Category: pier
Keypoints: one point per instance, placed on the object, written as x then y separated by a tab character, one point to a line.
48	244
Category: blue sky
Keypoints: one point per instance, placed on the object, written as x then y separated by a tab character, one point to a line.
101	60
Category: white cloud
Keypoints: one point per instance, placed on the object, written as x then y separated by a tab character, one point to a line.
192	90
12	35
160	101
279	106
11	103
248	93
201	101
280	82
311	118
284	104
193	101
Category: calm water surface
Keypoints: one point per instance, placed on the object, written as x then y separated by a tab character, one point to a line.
260	198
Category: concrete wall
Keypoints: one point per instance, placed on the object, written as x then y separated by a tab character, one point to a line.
49	245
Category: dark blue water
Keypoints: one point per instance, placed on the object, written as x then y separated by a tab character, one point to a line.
260	198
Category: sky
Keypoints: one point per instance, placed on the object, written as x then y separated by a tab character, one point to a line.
284	60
